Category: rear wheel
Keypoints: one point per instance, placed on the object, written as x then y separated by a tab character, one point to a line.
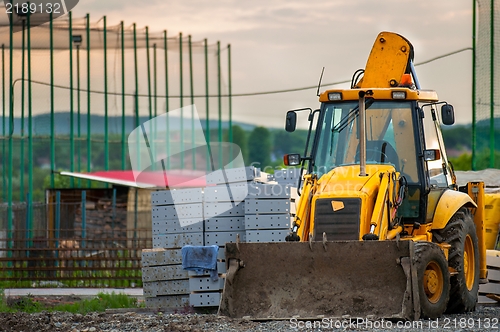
434	281
463	256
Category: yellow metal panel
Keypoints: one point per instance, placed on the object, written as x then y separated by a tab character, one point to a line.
387	61
491	218
476	192
384	94
449	203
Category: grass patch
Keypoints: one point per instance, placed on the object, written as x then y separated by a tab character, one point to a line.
99	303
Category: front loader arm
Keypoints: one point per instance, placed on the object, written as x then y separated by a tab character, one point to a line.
389	197
301	225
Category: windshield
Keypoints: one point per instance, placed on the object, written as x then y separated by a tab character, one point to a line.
389	136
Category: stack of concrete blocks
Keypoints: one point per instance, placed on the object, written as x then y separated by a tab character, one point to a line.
224	214
287	176
269	212
214	215
165	283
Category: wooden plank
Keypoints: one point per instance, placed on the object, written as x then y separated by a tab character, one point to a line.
169	287
167	301
489	288
493	297
161	256
159	273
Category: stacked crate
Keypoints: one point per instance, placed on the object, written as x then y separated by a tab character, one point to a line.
269	212
165	283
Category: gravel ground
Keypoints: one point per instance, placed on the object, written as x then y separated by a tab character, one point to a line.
483	319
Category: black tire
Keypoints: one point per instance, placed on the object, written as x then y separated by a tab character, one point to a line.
460	232
434	279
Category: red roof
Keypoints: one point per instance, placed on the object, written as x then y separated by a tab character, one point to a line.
153	179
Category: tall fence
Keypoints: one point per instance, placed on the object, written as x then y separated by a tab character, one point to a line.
73	89
486	82
88	247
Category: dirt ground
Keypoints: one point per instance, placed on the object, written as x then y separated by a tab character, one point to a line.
147	320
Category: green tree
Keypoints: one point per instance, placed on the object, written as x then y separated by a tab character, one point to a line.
259	147
240	139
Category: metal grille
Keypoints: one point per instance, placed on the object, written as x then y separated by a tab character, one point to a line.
338	225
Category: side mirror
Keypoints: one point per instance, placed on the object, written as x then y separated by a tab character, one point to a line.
292	159
447	114
291	121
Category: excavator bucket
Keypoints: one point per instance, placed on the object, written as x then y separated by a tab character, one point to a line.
320	279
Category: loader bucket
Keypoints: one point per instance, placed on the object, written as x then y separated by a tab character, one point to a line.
311	280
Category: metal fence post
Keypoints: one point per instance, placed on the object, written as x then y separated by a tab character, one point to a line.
84	217
58	218
106	143
71	110
191	90
52	124
167	134
219	98
207	110
89	119
181	97
123	92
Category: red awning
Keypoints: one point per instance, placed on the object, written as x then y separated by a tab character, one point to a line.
157	179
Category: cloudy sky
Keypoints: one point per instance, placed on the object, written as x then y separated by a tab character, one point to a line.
283	44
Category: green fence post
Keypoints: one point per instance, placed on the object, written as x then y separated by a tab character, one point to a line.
58	217
4	180
136	70
105	51
219	98
21	154
84	218
11	132
230	101
89	120
148	65
207	111
52	124
122	30
150	100
71	106
79	109
181	142
492	85
30	129
155	81
167	134
474	133
191	88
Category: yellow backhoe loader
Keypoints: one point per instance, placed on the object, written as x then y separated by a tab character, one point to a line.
382	230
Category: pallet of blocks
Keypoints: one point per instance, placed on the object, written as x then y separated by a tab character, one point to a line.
177	221
224	213
490	293
269	212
